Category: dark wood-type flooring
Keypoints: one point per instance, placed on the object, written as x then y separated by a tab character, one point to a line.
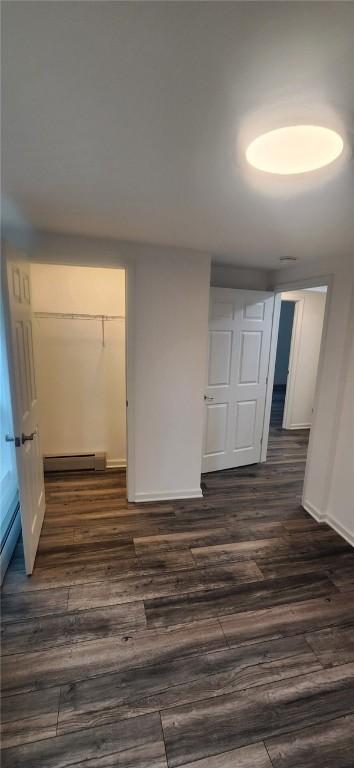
211	633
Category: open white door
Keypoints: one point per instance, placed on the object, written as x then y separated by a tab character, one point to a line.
17	295
240	325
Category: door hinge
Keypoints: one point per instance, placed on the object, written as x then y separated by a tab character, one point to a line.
16	440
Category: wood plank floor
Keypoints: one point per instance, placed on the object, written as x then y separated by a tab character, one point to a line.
211	633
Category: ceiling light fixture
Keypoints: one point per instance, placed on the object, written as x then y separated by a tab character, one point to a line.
295	149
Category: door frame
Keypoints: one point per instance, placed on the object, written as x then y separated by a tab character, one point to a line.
296	285
129	266
293	360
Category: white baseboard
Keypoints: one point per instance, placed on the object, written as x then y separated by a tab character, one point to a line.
313	511
299	426
192	493
341	529
323	517
116	463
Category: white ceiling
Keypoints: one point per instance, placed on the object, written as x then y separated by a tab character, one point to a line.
122	120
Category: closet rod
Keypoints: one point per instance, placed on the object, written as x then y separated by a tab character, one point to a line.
78	316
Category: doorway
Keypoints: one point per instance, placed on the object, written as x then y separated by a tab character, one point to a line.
282	359
60	338
297	359
79	335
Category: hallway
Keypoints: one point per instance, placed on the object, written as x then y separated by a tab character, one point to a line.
169	633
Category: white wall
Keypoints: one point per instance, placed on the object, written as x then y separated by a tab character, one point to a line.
325	496
172	297
227	276
170	319
304	357
81	384
340	509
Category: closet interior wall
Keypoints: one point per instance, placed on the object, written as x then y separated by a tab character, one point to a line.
80	359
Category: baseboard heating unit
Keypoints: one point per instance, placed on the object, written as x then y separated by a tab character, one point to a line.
71	462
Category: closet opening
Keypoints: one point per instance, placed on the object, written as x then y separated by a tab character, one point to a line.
79	316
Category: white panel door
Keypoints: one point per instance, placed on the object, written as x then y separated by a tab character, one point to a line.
17	289
240	325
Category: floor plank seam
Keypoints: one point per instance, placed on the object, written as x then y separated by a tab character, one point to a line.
314	650
59	700
163	739
227	644
267	751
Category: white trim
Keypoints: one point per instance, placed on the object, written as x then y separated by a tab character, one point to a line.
191	493
341	529
298	426
270	375
293	363
116	463
323	517
313	511
328	280
130	376
301	285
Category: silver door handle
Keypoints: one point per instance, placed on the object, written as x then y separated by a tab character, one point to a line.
208	398
24	437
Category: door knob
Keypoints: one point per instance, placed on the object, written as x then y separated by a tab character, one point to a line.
24	437
208	398
15	440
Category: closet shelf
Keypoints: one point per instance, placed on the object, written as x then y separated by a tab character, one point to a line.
79	316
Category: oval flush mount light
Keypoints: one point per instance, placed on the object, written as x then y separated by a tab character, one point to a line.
295	149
